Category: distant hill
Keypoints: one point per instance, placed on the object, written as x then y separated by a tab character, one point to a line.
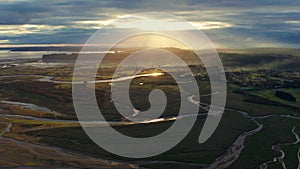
265	61
262	58
60	57
263	51
117	56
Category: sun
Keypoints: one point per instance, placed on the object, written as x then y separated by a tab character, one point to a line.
151	40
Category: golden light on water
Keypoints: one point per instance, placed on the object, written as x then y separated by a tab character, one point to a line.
157	74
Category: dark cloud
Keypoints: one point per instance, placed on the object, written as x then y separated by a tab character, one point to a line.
77	36
254	21
242	3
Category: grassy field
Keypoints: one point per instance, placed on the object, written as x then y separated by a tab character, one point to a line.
259	146
270	94
2	126
189	150
238	101
232	125
71	136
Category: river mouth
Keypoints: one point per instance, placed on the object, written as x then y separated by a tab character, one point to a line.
84	123
230	155
223	161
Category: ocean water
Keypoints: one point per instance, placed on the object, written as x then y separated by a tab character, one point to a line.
5	54
8	55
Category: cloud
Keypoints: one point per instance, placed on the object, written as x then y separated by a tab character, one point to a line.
13	30
149	24
227	22
4	40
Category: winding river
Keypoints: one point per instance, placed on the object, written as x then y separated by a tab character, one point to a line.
223	161
234	151
280	159
61	154
31	106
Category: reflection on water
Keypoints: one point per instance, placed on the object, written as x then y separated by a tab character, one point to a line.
31	106
12	55
26	58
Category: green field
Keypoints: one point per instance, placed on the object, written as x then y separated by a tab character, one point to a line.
259	146
270	94
189	150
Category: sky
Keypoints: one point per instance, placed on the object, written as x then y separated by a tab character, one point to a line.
227	23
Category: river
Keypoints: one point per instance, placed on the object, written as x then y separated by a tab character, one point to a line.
223	161
234	151
65	156
280	159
